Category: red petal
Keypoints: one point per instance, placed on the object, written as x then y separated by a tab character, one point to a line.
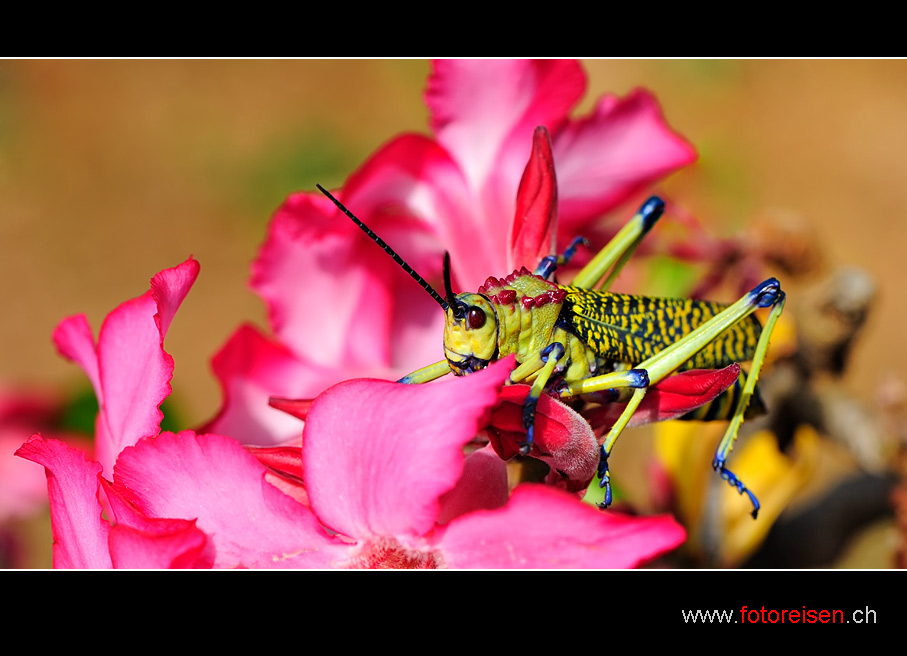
284	460
298	408
284	465
535	222
562	437
671	398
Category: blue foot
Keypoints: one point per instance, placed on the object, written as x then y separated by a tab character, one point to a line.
736	483
549	264
766	293
604	478
651	211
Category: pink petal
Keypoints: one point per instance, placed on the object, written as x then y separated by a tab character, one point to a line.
130	371
671	398
75	342
535	222
169	288
333	296
414	182
251	369
174	544
545	528
415	197
139	541
622	147
135	378
562	437
484	113
214	480
416	332
482	486
291	487
80	533
411	186
316	276
377	455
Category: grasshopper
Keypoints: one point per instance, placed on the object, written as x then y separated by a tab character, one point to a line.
576	341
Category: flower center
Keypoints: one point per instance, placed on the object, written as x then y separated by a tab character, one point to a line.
388	553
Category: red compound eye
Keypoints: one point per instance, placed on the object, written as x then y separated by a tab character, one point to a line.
476	318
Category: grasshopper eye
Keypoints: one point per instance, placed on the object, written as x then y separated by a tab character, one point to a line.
476	318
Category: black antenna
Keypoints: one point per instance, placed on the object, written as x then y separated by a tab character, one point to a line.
390	251
458	309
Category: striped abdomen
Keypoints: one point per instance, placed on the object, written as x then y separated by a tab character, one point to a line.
631	329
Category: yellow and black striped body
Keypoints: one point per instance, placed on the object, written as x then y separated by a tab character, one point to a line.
600	332
630	329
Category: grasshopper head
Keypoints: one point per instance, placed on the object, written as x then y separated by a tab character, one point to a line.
470	333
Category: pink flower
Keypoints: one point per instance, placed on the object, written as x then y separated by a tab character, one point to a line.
130	373
383	480
387	484
565	438
339	307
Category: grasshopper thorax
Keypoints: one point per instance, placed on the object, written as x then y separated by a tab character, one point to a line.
470	333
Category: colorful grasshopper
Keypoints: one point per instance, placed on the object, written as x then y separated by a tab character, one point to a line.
572	340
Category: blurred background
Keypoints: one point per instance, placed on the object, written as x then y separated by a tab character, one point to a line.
113	170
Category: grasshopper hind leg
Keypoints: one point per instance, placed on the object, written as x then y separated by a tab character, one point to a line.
776	302
670	359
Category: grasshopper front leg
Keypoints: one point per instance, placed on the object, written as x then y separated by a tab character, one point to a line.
545	363
427	374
